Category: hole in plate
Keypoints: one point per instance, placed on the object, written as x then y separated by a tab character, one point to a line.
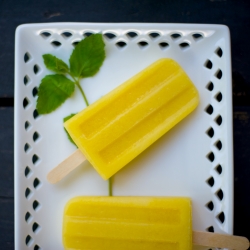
210	205
210	156
218	145
221	217
35	114
45	34
219	52
26	147
36	205
35	159
27	57
26	80
132	34
86	34
110	35
218	168
36	247
220	194
210	181
121	44
36	227
210	132
28	240
27	125
184	45
142	44
218	74
210	86
35	92
154	35
36	69
218	120
28	217
35	136
208	64
36	183
175	36
56	44
210	229
66	34
197	36
163	45
25	102
75	43
27	172
218	97
27	193
209	109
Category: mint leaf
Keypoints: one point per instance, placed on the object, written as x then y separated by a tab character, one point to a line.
87	57
55	64
64	120
52	92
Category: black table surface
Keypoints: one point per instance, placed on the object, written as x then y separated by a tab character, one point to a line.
234	14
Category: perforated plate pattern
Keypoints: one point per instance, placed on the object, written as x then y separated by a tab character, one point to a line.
194	159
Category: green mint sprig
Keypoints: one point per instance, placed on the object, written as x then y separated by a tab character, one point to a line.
85	61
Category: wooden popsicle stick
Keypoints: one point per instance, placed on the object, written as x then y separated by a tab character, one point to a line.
65	167
220	240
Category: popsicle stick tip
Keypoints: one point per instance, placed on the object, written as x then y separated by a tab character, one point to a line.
220	240
65	167
51	178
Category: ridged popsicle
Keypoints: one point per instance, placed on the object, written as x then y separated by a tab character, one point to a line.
119	126
134	223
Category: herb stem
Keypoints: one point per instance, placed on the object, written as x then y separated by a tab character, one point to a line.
82	92
77	82
110	186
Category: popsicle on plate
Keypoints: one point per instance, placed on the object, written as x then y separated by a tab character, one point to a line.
137	223
134	223
119	126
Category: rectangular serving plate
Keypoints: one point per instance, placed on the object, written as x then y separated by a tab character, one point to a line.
194	159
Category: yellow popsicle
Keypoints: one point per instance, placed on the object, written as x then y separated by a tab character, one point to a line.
134	223
119	126
137	223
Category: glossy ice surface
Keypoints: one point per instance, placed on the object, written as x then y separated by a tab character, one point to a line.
134	223
119	126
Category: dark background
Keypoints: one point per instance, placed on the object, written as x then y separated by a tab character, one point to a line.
234	14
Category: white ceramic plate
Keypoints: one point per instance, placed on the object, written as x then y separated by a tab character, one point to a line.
176	165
